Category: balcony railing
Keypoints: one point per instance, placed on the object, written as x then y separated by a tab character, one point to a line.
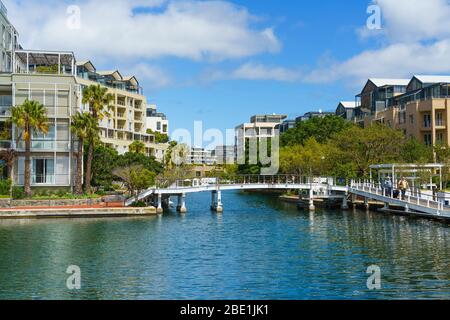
46	145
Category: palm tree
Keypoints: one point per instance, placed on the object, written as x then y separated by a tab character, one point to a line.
137	147
29	117
85	127
99	101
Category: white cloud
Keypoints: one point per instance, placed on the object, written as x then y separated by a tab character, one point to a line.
253	71
154	77
197	30
415	37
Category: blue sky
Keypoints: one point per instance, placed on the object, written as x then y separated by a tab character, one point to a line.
223	61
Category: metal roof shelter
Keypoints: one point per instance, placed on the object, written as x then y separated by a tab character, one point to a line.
396	171
30	59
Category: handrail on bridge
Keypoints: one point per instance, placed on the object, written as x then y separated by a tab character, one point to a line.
411	197
283	179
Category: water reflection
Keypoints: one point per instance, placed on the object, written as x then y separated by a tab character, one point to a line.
258	249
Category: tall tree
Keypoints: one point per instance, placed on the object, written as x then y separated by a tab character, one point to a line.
29	117
99	101
86	128
321	129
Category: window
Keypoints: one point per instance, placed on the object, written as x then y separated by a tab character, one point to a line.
428	139
427	120
43	171
440	137
411	118
439	119
158	126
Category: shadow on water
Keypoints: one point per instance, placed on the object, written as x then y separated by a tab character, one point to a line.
259	248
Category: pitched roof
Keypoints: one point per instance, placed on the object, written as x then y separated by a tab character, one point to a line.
433	79
88	64
116	74
389	82
348	104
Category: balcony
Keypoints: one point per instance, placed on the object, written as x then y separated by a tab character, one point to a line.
45	145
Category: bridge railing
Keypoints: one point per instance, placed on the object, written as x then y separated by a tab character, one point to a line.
254	180
411	197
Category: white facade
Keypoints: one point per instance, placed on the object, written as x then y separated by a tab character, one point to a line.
157	122
260	126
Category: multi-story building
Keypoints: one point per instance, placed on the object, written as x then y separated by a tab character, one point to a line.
49	78
309	115
225	154
346	110
200	156
56	80
420	107
286	125
126	121
8	41
157	121
259	127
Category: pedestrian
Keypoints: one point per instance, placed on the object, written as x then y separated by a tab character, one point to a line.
388	187
403	186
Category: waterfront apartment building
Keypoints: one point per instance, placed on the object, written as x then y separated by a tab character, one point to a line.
259	127
346	110
157	121
53	158
200	156
126	121
225	154
418	106
286	125
310	115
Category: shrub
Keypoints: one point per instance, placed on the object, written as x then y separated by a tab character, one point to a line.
18	193
139	204
5	186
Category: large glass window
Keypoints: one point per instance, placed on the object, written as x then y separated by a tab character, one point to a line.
43	171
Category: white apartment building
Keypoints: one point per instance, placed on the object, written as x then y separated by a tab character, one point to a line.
156	121
200	156
260	126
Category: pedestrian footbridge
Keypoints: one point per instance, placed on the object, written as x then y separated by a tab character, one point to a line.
413	203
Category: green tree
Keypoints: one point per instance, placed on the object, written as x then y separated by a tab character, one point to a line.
159	137
303	159
86	128
29	118
99	101
321	129
414	151
362	148
136	178
105	160
130	159
137	147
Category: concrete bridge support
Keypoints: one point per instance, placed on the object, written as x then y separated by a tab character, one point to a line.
216	201
312	207
181	208
366	203
159	208
344	202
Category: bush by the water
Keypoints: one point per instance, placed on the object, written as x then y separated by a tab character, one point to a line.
139	204
18	193
5	186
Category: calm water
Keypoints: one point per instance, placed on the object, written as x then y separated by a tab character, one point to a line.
259	249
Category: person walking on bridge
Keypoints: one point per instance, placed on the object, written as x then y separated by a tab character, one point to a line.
403	185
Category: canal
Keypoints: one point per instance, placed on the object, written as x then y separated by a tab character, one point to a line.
259	248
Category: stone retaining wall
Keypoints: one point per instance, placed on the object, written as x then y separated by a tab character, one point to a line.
7	203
